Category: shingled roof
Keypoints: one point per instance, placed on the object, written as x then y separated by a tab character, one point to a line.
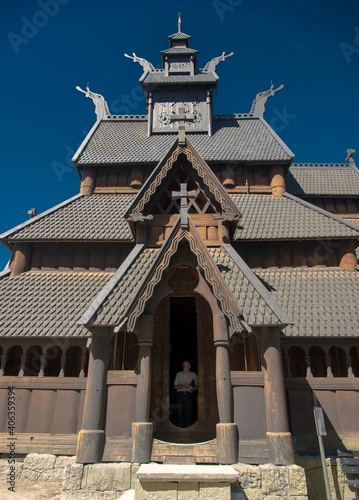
258	307
160	77
101	217
110	307
47	303
126	141
338	179
268	217
81	218
323	301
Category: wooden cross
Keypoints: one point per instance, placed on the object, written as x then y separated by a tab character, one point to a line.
181	117
183	195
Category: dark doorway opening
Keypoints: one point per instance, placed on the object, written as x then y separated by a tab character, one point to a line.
183	341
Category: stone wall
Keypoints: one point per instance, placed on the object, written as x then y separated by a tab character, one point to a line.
37	467
339	490
270	482
112	481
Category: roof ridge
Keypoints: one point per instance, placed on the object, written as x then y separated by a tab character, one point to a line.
230	116
321	211
84	143
320	165
41	216
277	138
272	303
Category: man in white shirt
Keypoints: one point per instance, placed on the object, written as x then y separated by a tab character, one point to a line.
186	382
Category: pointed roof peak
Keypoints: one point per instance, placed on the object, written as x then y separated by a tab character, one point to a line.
179	35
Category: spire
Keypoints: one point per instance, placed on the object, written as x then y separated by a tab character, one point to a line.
179	22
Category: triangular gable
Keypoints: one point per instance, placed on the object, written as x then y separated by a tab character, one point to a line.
210	182
206	264
142	273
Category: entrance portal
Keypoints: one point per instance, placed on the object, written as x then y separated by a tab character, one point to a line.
183	341
183	330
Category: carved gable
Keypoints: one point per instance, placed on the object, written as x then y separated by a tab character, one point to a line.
184	184
182	172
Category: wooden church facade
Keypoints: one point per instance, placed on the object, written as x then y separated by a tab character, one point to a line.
193	237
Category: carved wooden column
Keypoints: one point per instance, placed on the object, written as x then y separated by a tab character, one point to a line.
88	181
328	362
277	180
42	366
142	430
91	440
3	363
226	430
279	438
287	361
62	366
22	366
346	255
348	358
20	260
307	362
83	363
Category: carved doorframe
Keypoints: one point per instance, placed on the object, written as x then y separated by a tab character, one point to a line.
160	383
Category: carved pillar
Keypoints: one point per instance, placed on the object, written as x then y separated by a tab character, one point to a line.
307	362
20	260
228	178
149	115
83	362
22	366
287	363
328	362
223	232
280	442
91	438
226	430
348	359
142	430
62	366
277	180
42	365
88	180
136	180
209	113
3	364
346	255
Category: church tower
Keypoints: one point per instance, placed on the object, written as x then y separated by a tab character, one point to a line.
179	85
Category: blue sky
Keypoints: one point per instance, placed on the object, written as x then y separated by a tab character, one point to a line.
48	47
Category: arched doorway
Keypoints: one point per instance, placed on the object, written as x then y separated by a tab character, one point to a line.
183	329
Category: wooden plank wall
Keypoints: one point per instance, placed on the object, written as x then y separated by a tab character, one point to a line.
339	398
44	405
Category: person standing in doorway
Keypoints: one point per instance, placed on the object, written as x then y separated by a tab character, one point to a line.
186	383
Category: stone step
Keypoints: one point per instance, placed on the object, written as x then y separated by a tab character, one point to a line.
185	482
199	452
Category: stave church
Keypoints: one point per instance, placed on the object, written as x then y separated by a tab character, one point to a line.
194	237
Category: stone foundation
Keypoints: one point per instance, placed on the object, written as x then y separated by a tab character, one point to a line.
113	481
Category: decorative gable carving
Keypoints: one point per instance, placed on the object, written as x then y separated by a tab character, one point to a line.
211	196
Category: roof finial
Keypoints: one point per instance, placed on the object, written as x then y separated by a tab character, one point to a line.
179	22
